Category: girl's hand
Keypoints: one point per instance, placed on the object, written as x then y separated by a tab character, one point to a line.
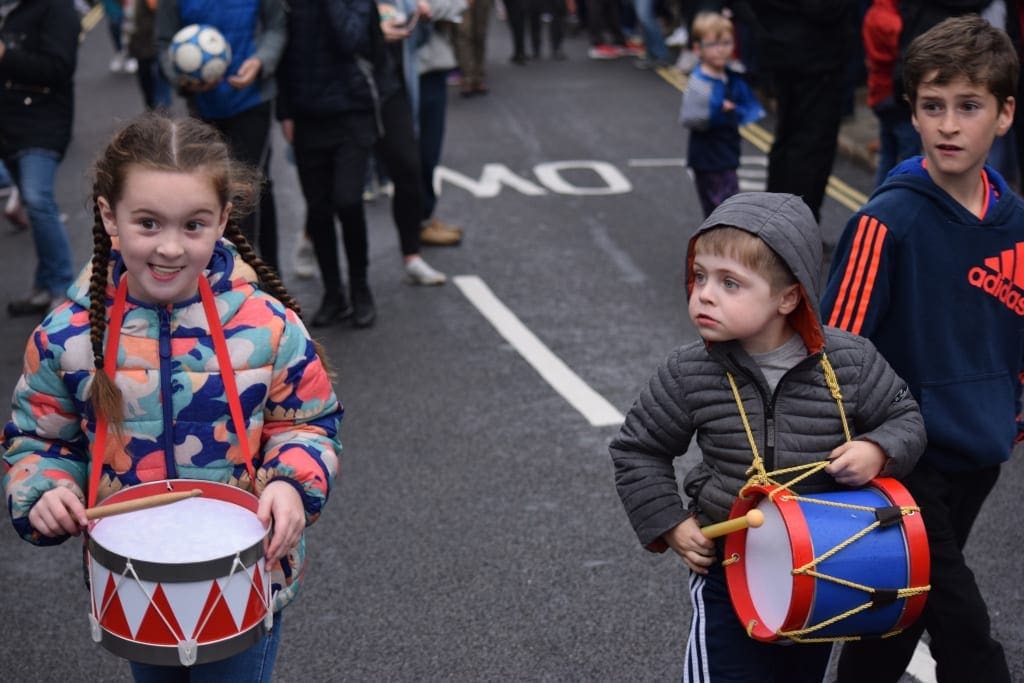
697	551
281	503
58	512
855	463
394	31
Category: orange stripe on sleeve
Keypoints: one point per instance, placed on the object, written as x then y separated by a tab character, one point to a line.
851	267
869	283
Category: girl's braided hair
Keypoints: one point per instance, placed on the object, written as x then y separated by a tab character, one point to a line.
156	141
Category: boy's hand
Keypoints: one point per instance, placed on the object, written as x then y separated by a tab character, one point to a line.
58	512
728	105
246	73
281	502
697	551
855	463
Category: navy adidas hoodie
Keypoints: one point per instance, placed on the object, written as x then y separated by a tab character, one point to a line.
941	294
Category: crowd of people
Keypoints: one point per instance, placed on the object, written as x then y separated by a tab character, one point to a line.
355	83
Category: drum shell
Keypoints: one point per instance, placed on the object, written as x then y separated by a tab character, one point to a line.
892	558
223	636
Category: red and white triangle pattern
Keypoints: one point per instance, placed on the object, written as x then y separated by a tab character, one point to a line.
167	613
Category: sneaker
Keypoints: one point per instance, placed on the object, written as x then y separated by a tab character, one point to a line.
364	312
630	50
36	303
440	234
678	38
15	211
334	307
131	65
604	52
418	272
387	188
304	259
117	63
647	64
687	61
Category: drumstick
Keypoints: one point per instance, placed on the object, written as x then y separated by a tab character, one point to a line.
753	518
140	503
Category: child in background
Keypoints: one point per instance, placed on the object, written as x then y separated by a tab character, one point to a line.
926	270
167	244
753	270
716	102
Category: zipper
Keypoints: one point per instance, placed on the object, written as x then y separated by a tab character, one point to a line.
166	391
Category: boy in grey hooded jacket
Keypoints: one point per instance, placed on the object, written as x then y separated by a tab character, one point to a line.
753	283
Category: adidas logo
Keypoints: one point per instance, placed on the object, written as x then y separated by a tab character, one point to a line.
1002	277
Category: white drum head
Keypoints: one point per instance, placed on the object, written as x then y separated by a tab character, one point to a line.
191	530
769	563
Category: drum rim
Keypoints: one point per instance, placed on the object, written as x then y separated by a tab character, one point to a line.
180	572
168	655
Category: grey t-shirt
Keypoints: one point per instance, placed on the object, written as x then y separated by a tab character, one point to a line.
776	362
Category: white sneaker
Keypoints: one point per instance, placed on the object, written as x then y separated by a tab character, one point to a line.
131	65
304	259
117	63
679	38
419	273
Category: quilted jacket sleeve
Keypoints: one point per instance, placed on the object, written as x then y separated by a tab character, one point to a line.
303	415
656	430
44	443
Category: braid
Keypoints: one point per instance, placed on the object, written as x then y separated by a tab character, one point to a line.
267	276
106	397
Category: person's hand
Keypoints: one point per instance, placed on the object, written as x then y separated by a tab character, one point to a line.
191	86
281	503
423	9
246	73
58	512
3	49
728	105
697	551
394	31
855	463
288	130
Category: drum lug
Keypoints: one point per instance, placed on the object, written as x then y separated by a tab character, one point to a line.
94	628
268	619
188	650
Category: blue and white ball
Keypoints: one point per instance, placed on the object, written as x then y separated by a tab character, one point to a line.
200	52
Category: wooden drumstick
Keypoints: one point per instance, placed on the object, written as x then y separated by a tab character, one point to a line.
140	503
753	518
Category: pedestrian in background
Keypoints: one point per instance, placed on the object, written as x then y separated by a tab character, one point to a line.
471	48
241	104
156	90
38	55
716	102
803	50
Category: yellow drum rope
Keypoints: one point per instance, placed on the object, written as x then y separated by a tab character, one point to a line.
760	477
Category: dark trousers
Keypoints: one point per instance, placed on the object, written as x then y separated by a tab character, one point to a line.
604	18
720	647
807	125
556	10
248	135
955	614
433	109
516	12
331	156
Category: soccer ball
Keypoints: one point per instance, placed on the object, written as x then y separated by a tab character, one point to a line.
200	52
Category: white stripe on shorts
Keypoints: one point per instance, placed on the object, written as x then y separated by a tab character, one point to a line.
695	670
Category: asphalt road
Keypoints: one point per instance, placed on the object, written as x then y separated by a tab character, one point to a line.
474	533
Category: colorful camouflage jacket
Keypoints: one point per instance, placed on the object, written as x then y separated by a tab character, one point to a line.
177	422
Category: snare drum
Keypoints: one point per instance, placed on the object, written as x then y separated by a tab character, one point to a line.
183	583
830	566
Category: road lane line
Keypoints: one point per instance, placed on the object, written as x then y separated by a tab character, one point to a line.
597	411
922	666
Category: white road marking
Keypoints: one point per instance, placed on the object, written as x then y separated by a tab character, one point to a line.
589	403
922	666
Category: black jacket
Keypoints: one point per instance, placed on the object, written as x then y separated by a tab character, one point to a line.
336	60
37	75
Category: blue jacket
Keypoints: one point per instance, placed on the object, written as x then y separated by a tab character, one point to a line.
714	134
941	294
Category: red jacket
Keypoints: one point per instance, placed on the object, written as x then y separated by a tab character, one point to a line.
881	35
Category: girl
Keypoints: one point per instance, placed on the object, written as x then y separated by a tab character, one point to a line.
167	198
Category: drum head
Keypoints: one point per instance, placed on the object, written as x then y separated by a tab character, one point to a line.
769	550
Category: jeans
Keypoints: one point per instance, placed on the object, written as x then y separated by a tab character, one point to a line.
654	41
35	172
898	139
156	90
255	665
433	105
5	177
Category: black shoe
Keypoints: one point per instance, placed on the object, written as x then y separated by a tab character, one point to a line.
334	308
520	60
364	312
35	304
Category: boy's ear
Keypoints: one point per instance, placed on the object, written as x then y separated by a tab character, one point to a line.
790	299
1006	116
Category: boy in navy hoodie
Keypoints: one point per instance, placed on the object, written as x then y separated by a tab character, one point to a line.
931	269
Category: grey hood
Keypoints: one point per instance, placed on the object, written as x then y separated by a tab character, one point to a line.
786	224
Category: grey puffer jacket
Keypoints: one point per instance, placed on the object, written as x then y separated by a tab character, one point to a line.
690	396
